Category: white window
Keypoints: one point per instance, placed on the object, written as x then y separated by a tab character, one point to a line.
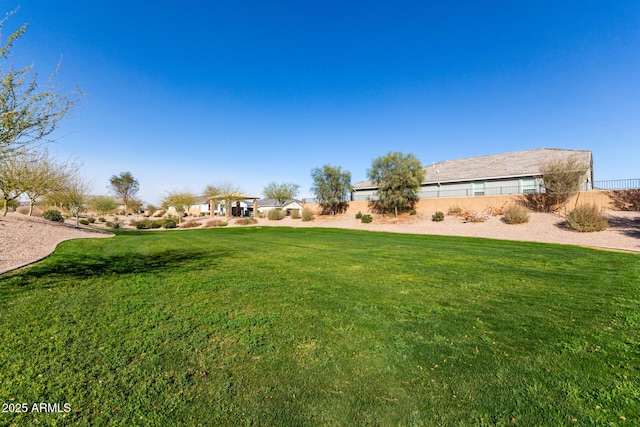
528	185
478	188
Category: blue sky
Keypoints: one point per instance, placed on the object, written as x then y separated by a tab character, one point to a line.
185	94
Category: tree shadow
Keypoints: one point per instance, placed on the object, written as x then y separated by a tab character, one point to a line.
627	226
94	265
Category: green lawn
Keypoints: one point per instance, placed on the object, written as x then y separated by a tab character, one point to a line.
277	326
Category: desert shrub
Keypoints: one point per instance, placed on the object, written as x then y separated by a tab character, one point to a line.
246	221
146	224
169	223
359	215
83	222
275	214
438	216
190	224
473	216
495	211
23	210
53	215
114	225
160	214
539	202
215	223
295	214
455	210
102	219
413	212
625	200
307	214
389	214
587	218
91	220
366	218
516	214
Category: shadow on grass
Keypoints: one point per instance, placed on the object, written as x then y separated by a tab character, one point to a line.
92	265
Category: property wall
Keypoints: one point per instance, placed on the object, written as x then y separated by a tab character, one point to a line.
479	203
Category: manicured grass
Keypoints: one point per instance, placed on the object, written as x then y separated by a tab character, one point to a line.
278	326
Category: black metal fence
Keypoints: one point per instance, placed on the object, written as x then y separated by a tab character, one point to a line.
617	184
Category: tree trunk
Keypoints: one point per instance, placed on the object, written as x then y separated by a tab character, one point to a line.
31	202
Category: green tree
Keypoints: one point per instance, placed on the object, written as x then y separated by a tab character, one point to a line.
38	174
331	185
74	195
29	112
398	178
563	179
9	182
180	201
281	192
124	186
103	205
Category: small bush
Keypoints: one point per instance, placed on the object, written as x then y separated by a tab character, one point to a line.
160	214
91	220
587	218
102	219
190	224
455	210
473	216
146	224
359	215
169	223
246	221
114	225
413	212
516	214
275	214
438	216
366	219
492	210
307	214
215	223
295	214
83	222
539	202
53	215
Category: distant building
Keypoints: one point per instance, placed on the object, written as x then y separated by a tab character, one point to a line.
265	205
509	173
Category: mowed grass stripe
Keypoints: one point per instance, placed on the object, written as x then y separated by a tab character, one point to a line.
279	326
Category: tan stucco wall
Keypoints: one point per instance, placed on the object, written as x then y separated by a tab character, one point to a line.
479	203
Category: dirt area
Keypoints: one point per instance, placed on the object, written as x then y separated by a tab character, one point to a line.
24	240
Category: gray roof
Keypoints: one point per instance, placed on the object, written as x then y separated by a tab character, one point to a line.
495	166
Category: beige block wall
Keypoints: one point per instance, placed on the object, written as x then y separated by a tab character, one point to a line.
479	203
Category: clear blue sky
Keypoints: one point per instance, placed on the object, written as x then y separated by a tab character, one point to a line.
184	94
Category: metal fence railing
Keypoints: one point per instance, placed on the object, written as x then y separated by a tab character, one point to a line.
617	184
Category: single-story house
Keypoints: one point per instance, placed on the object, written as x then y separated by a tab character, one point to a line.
508	173
265	205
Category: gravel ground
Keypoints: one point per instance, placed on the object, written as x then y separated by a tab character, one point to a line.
24	240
